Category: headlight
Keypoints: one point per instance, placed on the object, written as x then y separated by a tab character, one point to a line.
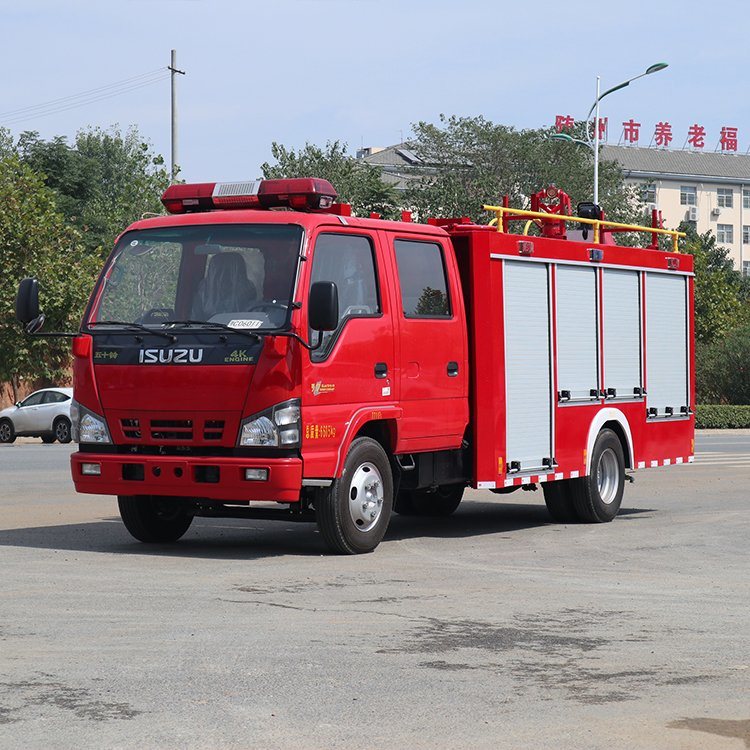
87	427
276	427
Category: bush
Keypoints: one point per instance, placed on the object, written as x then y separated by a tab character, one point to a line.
722	369
722	416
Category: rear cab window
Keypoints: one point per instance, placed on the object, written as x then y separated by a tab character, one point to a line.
422	279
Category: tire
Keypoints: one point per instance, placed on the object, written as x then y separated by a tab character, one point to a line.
437	503
153	519
559	500
7	433
61	429
597	497
47	439
354	512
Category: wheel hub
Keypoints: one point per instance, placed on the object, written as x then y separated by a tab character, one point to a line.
366	497
607	476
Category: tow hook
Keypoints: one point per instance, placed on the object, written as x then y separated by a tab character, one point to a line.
630	478
528	487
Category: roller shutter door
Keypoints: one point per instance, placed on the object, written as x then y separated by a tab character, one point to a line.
666	343
577	332
527	364
621	302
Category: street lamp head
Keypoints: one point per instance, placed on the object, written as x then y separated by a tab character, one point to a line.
561	137
656	67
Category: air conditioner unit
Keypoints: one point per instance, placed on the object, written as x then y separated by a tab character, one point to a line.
692	213
715	211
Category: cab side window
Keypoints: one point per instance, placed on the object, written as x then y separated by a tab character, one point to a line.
421	275
348	261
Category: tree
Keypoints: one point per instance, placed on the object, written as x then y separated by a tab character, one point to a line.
470	161
356	182
723	369
105	181
721	294
35	240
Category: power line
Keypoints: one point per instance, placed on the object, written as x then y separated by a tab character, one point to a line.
85	97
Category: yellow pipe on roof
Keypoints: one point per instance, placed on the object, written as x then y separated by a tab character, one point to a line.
519	214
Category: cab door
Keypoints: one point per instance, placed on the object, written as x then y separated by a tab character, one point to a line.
354	368
432	345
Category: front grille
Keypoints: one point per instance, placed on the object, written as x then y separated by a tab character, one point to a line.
131	428
167	429
171	429
213	429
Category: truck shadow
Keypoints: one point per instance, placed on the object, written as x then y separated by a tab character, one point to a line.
246	540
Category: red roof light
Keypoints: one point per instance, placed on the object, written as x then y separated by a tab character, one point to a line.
302	193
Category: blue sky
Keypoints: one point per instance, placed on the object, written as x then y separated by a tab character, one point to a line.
362	71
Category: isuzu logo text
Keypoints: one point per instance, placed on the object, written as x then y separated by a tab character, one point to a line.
170	356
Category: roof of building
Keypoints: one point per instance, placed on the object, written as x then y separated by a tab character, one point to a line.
399	162
647	161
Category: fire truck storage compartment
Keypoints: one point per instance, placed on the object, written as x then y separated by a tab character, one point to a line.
621	305
577	333
666	345
527	365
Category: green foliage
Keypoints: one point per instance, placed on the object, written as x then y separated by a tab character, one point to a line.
356	182
723	368
103	182
35	240
721	294
470	161
722	417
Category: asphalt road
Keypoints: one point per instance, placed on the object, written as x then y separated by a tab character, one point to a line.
492	629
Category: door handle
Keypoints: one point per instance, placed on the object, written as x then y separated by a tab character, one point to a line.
452	369
381	370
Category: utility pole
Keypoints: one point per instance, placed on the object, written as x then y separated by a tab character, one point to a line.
174	70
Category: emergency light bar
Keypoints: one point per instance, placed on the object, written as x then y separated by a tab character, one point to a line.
302	193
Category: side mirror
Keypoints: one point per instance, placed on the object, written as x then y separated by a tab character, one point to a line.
27	301
323	306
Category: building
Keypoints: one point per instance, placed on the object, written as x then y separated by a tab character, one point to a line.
710	189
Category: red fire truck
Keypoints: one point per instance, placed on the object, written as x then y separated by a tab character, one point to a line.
259	352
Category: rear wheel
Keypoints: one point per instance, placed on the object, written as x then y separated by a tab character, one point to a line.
597	497
354	512
154	519
62	430
559	500
7	433
442	501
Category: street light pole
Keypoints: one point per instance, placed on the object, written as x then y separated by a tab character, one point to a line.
595	111
596	143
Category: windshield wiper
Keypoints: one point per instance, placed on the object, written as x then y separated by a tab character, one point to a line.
212	324
132	327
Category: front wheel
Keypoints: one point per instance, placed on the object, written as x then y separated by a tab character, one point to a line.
354	512
7	433
597	497
154	519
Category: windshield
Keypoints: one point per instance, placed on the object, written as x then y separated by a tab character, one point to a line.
237	275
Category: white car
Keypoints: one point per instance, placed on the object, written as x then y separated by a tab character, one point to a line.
44	414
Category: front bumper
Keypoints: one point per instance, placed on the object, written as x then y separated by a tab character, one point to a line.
214	478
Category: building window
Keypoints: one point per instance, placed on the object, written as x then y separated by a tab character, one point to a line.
746	267
746	235
687	196
725	197
648	193
724	233
745	197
